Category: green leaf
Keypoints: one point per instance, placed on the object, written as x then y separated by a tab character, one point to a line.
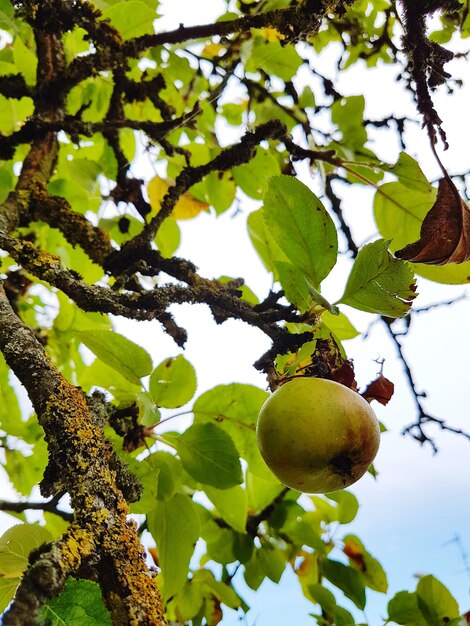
272	561
324	597
340	325
235	408
131	18
121	229
98	374
253	177
55	524
301	227
403	609
79	604
343	617
72	191
436	602
261	491
8	588
209	455
409	173
173	382
70	317
378	283
149	414
148	473
370	569
168	237
189	600
169	476
25	59
16	544
254	572
231	504
327	511
399	211
120	353
25	472
13	113
330	610
307	98
348	114
348	505
294	285
307	530
10	414
93	95
283	61
267	249
220	543
219	589
6	183
346	579
174	525
334	613
221	190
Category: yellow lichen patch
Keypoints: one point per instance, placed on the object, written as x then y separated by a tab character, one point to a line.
271	34
122	545
30	255
77	544
83	455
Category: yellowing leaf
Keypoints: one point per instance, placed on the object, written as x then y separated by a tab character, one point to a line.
212	50
187	206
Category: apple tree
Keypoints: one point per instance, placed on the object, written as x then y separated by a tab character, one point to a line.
115	130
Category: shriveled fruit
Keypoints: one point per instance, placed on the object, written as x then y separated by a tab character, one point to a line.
316	435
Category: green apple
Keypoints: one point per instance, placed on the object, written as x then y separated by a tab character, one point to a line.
316	435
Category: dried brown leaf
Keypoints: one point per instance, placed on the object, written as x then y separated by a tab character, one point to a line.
354	552
380	389
445	231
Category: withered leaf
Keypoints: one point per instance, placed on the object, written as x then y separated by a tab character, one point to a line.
445	231
380	389
354	552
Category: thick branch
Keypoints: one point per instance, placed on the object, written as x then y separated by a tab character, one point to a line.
80	462
152	304
296	22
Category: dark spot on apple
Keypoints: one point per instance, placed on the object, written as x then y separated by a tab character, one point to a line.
342	464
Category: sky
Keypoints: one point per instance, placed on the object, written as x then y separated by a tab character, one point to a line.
419	501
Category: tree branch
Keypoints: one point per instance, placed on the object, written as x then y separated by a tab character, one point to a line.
48	506
81	462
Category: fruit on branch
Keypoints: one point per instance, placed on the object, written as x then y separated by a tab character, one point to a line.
316	435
